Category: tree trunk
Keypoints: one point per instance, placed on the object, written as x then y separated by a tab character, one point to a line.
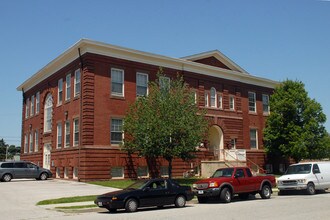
169	168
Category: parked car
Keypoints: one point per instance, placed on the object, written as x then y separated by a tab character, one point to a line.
146	193
226	182
305	176
21	170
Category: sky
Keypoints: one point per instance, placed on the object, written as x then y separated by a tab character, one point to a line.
277	40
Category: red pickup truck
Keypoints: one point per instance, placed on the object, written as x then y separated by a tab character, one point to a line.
226	182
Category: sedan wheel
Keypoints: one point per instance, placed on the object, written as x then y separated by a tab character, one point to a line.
131	205
180	201
7	177
43	176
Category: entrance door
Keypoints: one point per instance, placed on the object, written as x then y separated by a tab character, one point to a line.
216	142
46	159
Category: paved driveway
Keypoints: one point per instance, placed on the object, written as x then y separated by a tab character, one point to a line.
18	197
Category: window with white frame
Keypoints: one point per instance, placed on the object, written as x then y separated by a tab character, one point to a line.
77	84
233	143
66	173
265	103
213	98
67	87
253	138
232	103
59	135
117	82
36	141
142	171
67	134
48	109
141	84
37	102
27	108
75	173
75	132
116	131
117	172
31	142
59	91
206	98
32	106
26	143
252	101
164	83
220	101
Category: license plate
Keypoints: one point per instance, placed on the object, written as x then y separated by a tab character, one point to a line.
200	192
99	203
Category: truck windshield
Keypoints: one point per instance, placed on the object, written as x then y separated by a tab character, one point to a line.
228	172
299	169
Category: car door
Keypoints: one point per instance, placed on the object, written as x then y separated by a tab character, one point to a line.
20	170
240	181
153	194
318	176
32	170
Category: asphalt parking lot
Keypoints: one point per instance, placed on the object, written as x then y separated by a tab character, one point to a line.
18	198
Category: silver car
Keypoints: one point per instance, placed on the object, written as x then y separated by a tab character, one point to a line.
22	170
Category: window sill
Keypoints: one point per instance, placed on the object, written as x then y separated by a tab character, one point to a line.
119	97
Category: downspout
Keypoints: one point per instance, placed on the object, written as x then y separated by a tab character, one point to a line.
80	110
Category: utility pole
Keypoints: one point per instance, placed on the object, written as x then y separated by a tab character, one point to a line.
6	152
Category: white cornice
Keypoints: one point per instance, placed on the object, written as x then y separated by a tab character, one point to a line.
89	46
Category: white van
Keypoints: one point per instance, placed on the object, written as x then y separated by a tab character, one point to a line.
308	176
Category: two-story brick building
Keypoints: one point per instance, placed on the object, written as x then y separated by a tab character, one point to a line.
74	107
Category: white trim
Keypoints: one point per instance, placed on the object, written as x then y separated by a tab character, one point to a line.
75	92
122	94
89	46
67	87
254	101
145	74
59	82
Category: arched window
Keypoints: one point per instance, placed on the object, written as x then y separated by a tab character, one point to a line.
213	98
48	113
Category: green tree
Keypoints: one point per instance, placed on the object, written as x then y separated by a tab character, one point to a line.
167	123
3	148
295	128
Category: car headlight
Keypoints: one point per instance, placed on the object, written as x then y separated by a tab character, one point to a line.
213	184
301	181
194	185
279	182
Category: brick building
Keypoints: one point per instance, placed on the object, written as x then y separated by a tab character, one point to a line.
74	107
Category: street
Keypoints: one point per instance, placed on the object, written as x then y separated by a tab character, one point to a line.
18	199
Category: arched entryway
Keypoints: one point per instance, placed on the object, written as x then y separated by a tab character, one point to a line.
216	141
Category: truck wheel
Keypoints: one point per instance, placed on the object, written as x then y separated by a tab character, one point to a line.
202	199
225	195
310	189
265	192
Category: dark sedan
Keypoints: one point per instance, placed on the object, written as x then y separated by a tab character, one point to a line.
146	193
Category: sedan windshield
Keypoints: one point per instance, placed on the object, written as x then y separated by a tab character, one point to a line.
228	172
138	184
299	169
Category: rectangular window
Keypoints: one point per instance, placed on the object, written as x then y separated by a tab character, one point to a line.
37	102
59	135
142	171
77	83
67	133
36	141
68	87
206	99
233	143
141	84
117	172
59	91
265	103
25	143
27	108
164	83
116	131
75	132
252	101
32	106
31	142
220	101
164	171
232	103
253	139
117	82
